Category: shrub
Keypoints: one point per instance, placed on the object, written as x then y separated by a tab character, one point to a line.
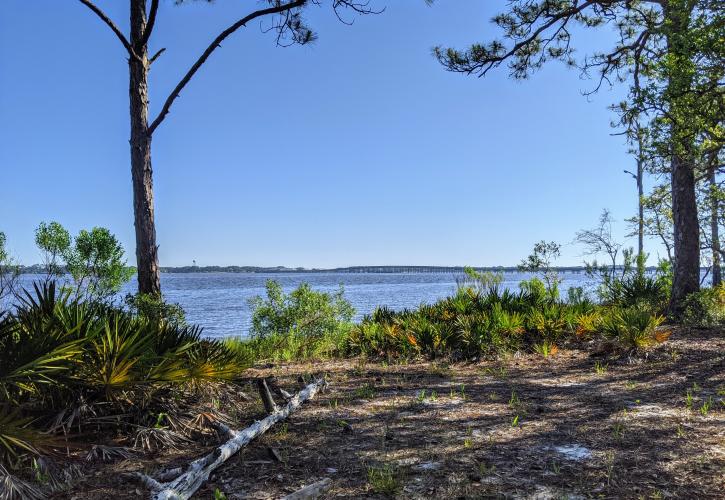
95	259
636	290
304	311
705	308
154	309
58	354
632	327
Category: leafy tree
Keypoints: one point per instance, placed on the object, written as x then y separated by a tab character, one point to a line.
670	54
542	261
54	242
289	27
97	263
304	311
94	259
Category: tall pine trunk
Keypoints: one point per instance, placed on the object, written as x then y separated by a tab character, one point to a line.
141	172
686	277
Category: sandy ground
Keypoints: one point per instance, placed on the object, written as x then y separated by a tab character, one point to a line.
574	425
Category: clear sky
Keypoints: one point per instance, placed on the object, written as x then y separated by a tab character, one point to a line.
356	150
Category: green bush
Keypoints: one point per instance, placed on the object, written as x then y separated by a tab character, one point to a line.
303	324
155	309
59	353
634	328
636	290
94	259
305	311
705	308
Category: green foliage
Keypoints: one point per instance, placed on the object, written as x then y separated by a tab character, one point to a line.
705	308
9	270
471	323
94	259
481	281
303	324
384	479
54	242
633	327
542	261
304	311
154	309
58	352
96	263
636	290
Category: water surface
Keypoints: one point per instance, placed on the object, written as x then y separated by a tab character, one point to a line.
219	302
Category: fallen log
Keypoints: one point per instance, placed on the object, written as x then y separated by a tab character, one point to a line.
198	471
310	491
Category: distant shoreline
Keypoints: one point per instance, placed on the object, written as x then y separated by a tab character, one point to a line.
38	269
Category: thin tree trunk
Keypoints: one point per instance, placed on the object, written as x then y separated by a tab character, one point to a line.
640	205
141	172
686	277
714	228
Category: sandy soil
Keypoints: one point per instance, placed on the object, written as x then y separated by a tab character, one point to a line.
574	425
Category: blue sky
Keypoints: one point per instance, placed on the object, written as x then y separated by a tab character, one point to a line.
356	150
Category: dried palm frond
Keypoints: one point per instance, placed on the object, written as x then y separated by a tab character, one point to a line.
108	453
155	438
56	478
14	488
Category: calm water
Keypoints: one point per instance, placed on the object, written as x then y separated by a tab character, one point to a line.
219	301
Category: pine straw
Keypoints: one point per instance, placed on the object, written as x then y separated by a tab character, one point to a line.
448	431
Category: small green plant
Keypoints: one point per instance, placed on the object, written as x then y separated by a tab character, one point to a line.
600	368
610	463
546	348
689	400
515	421
634	328
367	391
706	406
618	430
514	401
680	431
219	495
384	479
420	397
705	308
555	468
485	470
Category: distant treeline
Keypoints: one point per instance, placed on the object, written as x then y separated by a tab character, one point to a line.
40	269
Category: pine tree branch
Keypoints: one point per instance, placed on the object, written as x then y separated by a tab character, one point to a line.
216	43
150	23
107	20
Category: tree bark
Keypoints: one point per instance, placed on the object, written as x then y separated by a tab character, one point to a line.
640	202
147	262
686	277
714	228
686	224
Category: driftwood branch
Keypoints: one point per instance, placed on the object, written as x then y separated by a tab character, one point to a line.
269	405
198	471
311	491
215	44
